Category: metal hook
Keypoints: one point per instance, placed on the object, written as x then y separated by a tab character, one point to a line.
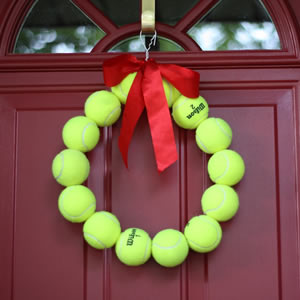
152	42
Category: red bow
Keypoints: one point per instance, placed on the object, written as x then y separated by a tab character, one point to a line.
147	90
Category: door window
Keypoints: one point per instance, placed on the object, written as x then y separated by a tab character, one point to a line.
59	26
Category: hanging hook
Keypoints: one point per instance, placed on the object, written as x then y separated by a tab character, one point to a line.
152	42
148	16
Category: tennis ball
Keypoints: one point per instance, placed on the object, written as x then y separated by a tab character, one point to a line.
203	233
122	89
70	167
169	248
226	167
213	135
189	113
76	203
220	202
103	107
102	230
81	133
171	92
133	247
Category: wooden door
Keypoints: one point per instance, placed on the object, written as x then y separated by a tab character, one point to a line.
42	256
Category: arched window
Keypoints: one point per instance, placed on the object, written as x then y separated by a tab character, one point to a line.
65	26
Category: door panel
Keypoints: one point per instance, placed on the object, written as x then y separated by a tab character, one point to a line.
45	257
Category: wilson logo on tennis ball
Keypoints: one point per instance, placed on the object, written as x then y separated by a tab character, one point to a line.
131	237
196	110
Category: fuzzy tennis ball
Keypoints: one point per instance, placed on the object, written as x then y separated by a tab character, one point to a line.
81	133
76	203
70	167
133	247
103	107
220	202
169	248
122	90
213	135
226	167
189	113
102	230
203	233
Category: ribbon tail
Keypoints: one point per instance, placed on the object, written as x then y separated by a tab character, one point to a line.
159	118
132	112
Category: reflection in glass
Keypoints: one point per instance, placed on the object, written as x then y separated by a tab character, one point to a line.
134	44
57	26
128	11
236	25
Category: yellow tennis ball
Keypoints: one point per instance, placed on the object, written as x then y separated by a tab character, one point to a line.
122	89
226	167
171	92
103	107
169	248
102	230
220	202
81	133
189	113
76	203
213	135
70	167
133	247
203	233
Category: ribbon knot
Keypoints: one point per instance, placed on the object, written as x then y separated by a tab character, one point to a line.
147	91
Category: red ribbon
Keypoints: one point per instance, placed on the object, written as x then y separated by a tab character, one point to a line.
147	91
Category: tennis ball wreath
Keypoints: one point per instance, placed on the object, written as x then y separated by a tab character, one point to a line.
102	230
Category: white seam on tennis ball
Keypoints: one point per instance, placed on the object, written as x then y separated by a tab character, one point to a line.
121	90
76	217
110	217
179	105
217	240
222	202
110	114
222	129
226	170
198	121
169	247
89	100
83	133
120	247
146	250
201	143
95	239
62	167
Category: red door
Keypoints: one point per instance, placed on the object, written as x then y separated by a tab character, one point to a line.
42	256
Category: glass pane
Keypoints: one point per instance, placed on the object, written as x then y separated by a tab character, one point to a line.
57	26
128	11
236	25
134	44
